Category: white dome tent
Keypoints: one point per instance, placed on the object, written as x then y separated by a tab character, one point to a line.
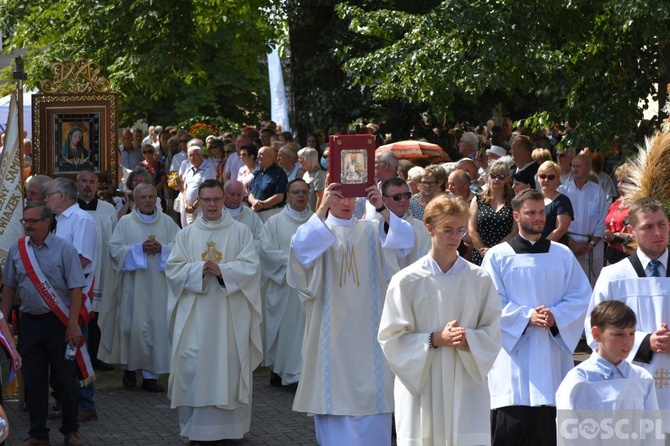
27	112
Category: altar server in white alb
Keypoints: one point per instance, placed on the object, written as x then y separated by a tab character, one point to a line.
337	263
214	311
284	314
134	320
642	282
440	332
606	381
544	295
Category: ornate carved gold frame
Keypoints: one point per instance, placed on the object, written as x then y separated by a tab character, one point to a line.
76	96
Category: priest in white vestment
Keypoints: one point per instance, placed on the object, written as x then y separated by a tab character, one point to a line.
440	332
642	282
232	203
133	314
396	196
214	311
544	294
337	263
284	317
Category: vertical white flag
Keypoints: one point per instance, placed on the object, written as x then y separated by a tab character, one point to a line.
279	109
11	197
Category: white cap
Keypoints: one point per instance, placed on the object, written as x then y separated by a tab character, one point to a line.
496	150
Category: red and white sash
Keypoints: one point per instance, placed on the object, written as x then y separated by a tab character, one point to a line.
56	304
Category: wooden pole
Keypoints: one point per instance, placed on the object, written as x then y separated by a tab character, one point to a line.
20	76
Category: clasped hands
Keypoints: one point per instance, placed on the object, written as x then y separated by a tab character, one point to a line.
451	336
542	317
151	246
211	268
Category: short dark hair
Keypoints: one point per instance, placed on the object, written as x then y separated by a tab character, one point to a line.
526	195
524	142
613	312
293	181
646	204
45	211
395	181
210	184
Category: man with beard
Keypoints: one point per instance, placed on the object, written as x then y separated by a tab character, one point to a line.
104	215
544	295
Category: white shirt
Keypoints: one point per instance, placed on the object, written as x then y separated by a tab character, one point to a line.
78	227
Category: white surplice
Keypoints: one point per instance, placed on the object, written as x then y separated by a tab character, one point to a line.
249	218
441	395
597	384
649	297
214	329
534	361
284	317
105	218
133	312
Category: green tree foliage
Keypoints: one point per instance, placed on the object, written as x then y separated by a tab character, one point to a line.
169	59
586	61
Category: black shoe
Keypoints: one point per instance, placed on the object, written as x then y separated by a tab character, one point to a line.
151	385
275	380
102	366
56	411
129	379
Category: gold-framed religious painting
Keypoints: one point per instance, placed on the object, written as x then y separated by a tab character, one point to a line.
75	132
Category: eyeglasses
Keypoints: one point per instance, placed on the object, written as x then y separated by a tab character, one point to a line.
211	200
299	192
450	232
497	176
543	176
398	197
428	183
31	221
148	153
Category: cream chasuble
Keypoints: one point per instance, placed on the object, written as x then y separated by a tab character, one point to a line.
214	330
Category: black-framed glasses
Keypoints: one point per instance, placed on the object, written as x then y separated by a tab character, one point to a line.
450	232
497	176
549	177
31	221
398	197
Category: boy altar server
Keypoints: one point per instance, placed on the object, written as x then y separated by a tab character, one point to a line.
440	332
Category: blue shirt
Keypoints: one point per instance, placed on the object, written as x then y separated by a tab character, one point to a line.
269	182
58	260
130	158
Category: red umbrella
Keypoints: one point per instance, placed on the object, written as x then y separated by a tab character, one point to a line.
418	152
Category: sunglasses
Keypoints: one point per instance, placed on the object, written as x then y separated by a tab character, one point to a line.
398	197
543	176
497	176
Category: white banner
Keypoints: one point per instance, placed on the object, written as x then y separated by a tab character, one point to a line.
11	197
279	109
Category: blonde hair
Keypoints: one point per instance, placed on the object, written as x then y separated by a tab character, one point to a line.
548	166
445	207
541	155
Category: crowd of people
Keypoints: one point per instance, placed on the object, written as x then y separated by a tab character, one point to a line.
451	294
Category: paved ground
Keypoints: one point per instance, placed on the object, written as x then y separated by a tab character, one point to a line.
127	417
